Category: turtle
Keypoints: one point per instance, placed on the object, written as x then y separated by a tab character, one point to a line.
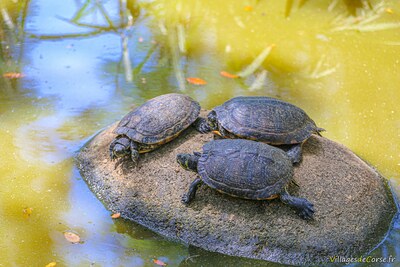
244	169
156	122
260	118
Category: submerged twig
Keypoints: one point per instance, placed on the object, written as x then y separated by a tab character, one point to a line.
87	25
259	81
364	21
392	43
64	36
175	54
289	6
318	72
126	59
181	37
332	5
82	11
7	19
256	62
150	52
103	11
370	27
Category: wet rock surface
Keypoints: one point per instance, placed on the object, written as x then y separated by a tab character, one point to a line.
354	207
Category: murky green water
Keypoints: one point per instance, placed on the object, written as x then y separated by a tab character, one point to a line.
86	63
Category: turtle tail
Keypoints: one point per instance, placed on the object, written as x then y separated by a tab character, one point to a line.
319	130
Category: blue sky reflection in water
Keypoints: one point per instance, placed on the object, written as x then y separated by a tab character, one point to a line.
74	87
69	69
69	80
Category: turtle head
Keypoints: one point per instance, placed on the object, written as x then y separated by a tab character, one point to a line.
120	151
188	161
212	120
120	148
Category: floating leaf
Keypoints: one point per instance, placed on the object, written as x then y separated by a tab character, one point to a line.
51	264
159	262
256	62
72	237
228	75
13	75
196	81
116	215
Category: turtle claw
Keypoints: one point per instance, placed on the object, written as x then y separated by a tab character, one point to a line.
135	156
185	199
294	153
307	212
118	163
304	208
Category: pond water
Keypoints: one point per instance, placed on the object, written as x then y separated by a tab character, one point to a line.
80	65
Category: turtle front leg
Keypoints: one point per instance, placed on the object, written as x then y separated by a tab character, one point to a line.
134	151
201	125
294	153
189	196
111	149
304	208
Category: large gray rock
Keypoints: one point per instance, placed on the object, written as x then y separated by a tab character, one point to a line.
354	207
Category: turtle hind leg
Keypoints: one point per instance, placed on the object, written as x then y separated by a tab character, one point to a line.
189	196
304	208
294	153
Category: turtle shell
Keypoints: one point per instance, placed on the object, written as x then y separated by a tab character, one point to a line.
160	119
244	168
265	119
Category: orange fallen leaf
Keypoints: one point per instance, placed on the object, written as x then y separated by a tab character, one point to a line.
160	263
72	237
13	75
248	8
116	215
228	75
196	81
51	264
